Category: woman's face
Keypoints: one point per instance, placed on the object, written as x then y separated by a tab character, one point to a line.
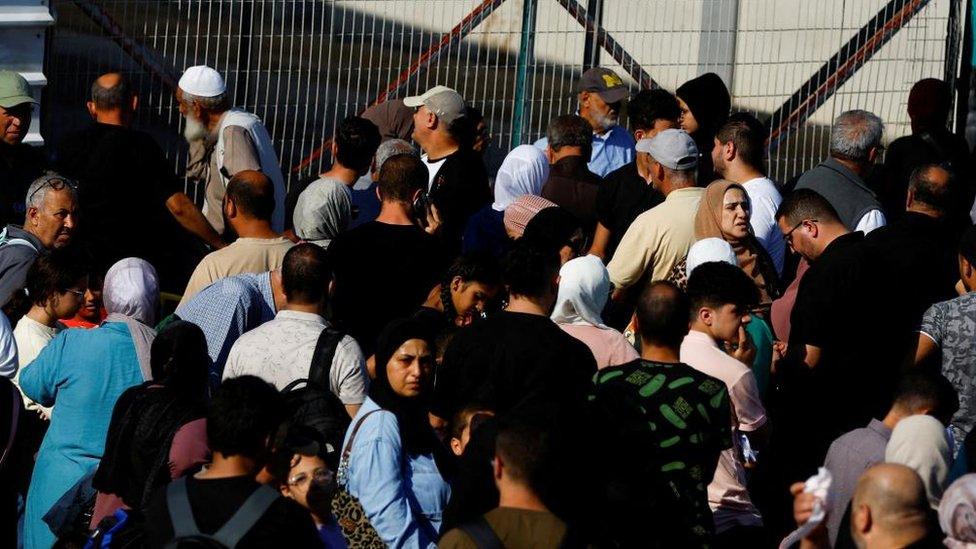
409	368
91	310
735	214
687	119
307	473
66	304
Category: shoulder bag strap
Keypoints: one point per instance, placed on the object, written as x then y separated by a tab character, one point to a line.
246	517
482	534
180	513
325	350
344	458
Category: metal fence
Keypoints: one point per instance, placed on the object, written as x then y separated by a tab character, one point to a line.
304	64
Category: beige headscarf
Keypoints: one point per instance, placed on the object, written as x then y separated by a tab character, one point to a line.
920	442
752	258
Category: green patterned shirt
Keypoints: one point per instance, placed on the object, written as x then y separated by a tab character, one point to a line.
662	427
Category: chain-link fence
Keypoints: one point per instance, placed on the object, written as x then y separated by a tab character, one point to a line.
304	64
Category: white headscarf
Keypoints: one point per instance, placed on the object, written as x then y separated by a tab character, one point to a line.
920	442
957	513
130	294
323	210
524	171
584	287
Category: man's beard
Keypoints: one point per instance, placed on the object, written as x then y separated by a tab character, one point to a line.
194	130
604	121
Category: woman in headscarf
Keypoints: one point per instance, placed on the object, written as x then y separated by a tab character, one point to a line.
323	210
957	513
920	442
724	213
584	288
158	430
395	464
705	103
522	211
523	172
84	372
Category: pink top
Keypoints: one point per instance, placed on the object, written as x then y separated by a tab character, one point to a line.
609	347
727	494
188	450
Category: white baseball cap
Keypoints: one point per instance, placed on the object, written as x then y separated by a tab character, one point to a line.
708	250
202	81
672	148
446	103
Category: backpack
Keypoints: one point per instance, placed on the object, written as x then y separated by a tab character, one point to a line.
187	534
314	405
7	240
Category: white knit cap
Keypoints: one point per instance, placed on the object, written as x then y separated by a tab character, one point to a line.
202	81
708	250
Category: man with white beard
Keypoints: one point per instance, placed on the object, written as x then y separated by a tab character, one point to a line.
224	141
601	98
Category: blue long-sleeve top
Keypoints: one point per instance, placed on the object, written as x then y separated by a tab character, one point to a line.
403	495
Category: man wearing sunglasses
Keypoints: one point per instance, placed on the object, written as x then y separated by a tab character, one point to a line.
51	216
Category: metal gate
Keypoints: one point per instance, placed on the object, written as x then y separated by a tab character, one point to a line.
304	64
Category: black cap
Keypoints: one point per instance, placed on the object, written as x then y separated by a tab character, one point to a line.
604	82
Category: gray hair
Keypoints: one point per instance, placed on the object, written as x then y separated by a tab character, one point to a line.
216	103
38	189
390	148
689	175
854	134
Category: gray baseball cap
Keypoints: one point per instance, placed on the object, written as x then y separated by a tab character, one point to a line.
446	103
14	90
672	148
605	83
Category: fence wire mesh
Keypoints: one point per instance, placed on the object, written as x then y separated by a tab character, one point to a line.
302	65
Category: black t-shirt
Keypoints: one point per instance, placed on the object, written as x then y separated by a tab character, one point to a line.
515	363
572	186
20	165
846	308
124	181
382	272
623	196
459	190
214	502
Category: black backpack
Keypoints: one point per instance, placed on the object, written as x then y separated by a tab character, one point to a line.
314	405
187	534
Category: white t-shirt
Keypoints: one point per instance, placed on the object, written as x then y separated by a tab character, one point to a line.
765	200
280	351
31	337
432	169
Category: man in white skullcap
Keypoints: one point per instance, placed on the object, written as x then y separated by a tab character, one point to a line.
223	141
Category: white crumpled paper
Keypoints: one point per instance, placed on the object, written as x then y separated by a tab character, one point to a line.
819	486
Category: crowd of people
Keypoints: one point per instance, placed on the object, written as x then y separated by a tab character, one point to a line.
623	338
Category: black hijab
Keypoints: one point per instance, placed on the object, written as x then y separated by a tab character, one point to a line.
708	99
146	417
415	431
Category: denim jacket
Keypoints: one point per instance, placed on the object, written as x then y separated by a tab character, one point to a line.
404	496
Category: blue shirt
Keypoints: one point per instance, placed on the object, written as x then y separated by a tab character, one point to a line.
611	150
228	308
403	495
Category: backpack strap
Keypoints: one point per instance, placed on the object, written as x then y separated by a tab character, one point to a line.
247	516
180	513
482	534
325	350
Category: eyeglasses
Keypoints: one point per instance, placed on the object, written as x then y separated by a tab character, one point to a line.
788	237
321	475
56	183
78	293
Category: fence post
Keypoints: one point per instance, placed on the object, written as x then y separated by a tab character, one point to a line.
716	51
526	53
591	48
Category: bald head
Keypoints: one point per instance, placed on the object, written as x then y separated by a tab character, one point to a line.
251	194
929	189
112	100
662	314
889	506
